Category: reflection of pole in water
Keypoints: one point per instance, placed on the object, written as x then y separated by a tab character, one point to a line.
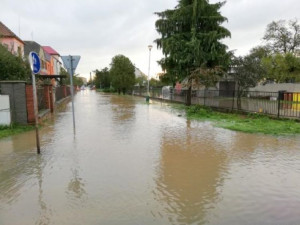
76	186
44	217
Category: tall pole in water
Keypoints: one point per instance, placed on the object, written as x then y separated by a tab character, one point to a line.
36	116
148	87
70	62
91	77
72	90
35	65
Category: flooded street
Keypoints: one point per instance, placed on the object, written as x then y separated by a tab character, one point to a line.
132	163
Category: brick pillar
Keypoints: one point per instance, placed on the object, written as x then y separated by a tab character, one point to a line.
51	98
65	91
30	104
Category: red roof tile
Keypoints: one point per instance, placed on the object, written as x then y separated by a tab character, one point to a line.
50	50
6	32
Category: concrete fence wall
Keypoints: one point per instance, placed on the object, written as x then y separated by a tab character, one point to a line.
21	99
5	117
17	98
289	87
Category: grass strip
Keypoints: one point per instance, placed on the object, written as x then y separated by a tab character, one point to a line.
249	123
13	129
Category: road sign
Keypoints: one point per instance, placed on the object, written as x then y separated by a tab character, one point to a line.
35	62
70	61
35	65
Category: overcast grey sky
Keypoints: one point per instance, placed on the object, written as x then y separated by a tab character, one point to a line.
98	30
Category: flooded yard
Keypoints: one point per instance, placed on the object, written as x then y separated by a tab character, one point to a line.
132	163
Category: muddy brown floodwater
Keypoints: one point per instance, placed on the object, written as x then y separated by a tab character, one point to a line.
132	163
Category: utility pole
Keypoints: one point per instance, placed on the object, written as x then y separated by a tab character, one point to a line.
36	116
148	87
35	65
72	90
70	63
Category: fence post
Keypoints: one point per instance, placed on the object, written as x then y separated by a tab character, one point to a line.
278	105
233	95
204	96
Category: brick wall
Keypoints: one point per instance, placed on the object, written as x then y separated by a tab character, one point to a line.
48	95
30	104
21	100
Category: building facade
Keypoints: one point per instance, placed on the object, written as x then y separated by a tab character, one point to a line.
11	41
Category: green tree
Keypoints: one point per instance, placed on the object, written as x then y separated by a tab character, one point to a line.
141	80
190	39
260	52
283	37
63	72
282	67
13	67
122	73
155	83
102	79
76	80
247	72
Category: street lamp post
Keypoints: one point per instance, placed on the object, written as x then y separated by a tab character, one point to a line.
148	90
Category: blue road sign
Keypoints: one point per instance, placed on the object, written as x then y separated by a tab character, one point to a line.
35	62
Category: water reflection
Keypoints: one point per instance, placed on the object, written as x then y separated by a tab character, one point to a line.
44	211
123	109
123	116
164	170
76	186
16	166
189	175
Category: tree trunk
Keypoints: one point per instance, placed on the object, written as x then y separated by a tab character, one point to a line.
189	97
124	91
119	91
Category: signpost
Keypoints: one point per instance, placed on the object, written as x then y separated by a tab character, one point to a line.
35	65
70	63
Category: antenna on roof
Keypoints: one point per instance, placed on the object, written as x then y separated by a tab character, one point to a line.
19	27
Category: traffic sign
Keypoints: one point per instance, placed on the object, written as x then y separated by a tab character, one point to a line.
70	61
35	63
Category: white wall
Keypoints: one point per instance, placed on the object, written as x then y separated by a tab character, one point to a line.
289	87
5	118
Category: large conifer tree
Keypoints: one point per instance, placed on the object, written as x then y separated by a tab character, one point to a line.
191	37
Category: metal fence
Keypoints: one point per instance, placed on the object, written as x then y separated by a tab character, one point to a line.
41	98
59	93
280	104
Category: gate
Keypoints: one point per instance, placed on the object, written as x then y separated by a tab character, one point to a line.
5	118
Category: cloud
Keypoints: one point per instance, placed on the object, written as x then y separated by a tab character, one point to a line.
98	30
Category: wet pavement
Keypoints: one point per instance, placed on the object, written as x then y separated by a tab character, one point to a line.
133	163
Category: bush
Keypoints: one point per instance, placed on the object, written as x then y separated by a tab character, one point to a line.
13	67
